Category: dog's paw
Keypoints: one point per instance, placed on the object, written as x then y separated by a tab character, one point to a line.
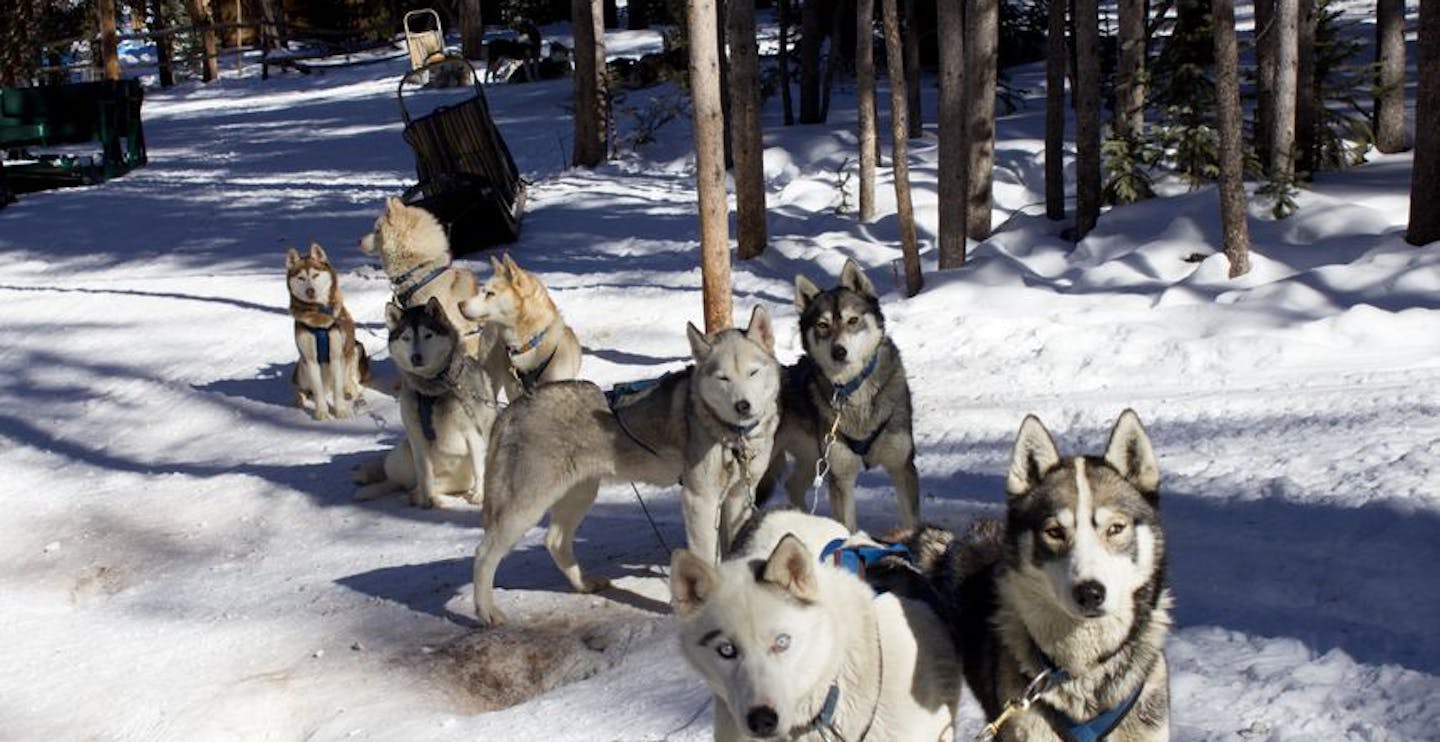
343	411
492	618
595	584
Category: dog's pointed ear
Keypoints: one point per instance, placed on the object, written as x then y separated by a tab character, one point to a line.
497	267
792	569
805	292
1034	455
434	308
692	579
760	329
518	275
851	277
317	252
1130	453
292	258
393	312
393	204
700	343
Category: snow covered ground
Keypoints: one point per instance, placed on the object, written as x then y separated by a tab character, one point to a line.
180	558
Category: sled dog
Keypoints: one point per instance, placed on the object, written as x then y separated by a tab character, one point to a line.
1069	597
850	384
444	405
709	427
540	346
332	364
795	648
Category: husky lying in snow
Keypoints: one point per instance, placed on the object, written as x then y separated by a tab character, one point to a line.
541	347
851	371
708	427
799	649
332	364
1073	589
444	404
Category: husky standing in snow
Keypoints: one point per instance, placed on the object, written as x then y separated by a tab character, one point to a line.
444	405
796	648
846	399
1066	606
332	363
540	346
709	427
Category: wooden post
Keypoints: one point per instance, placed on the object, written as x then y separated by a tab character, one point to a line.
710	165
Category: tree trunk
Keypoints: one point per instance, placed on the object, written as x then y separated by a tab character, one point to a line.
1285	26
865	102
1307	102
611	14
899	129
590	108
472	30
710	165
912	71
163	45
1425	177
723	56
782	58
200	18
637	15
812	33
109	39
1087	117
953	175
1056	54
982	39
19	48
833	58
745	130
1130	83
1264	79
273	11
1390	80
1232	154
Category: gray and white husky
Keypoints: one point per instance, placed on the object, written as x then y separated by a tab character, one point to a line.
1069	597
796	648
709	427
851	370
446	408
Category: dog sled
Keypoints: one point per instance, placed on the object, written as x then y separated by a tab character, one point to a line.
467	177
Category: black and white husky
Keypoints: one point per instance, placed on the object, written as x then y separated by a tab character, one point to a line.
1066	606
851	385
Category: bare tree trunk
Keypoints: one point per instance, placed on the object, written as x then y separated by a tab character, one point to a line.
1285	26
895	63
710	165
865	101
912	71
1307	103
783	59
273	11
1232	154
1390	80
163	45
1056	55
745	130
1130	85
591	111
19	49
982	43
1264	78
953	177
200	18
1425	177
812	33
1087	117
472	30
637	15
722	49
833	58
109	39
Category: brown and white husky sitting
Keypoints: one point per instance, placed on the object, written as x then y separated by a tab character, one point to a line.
332	364
540	346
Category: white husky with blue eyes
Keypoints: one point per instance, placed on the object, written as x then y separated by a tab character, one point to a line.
797	649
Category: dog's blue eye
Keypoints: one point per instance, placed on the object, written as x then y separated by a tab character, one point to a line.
782	643
726	650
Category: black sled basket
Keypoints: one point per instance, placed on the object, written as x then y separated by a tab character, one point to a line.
467	178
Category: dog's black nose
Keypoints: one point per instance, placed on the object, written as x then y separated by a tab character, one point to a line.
762	720
742	407
1089	595
838	352
416	359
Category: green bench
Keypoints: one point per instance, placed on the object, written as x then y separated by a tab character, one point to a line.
38	118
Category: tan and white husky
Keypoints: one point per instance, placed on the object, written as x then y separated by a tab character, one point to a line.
332	364
540	346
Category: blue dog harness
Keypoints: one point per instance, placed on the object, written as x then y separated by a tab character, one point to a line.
855	558
1098	727
322	337
403	297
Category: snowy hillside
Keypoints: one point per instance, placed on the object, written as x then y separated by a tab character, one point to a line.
180	557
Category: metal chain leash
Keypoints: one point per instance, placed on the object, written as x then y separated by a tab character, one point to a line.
1042	683
822	465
